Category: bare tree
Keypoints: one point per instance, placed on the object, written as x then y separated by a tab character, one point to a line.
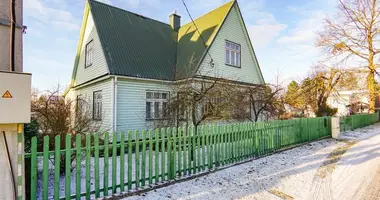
354	32
265	100
55	116
201	99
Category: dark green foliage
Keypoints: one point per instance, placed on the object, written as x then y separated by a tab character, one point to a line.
30	130
326	111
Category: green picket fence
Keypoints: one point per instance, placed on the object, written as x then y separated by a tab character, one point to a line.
82	167
357	121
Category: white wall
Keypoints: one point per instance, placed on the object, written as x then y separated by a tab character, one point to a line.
131	99
99	64
234	31
87	94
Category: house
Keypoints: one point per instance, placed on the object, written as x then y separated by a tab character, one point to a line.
127	65
351	98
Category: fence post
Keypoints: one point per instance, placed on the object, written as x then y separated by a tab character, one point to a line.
335	127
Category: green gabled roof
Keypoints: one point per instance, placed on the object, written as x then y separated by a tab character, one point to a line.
191	48
138	46
133	44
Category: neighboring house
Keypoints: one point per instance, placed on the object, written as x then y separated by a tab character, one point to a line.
346	101
127	65
352	98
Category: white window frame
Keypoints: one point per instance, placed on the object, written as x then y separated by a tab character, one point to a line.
232	54
89	53
97	104
80	103
154	99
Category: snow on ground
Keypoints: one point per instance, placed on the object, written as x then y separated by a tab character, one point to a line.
326	169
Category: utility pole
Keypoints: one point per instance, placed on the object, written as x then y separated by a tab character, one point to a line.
15	95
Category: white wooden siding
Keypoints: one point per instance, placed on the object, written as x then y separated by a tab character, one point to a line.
107	110
99	65
233	30
131	96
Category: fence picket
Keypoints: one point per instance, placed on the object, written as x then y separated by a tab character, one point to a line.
45	168
68	167
173	154
33	169
122	162
137	159
97	185
179	163
150	163
57	165
207	133
193	158
130	160
105	161
198	139
88	155
169	156
143	161
163	139
203	128
78	145
216	150
185	148
189	150
114	162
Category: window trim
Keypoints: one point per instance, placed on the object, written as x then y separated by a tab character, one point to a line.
93	107
85	54
225	61
153	100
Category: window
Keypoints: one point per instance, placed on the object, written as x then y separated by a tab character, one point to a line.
79	104
97	106
233	53
156	104
89	54
210	106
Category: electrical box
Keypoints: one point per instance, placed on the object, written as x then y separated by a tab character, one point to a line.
15	94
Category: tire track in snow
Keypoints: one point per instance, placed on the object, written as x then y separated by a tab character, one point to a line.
321	185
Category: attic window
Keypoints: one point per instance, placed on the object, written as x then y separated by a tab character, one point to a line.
89	53
233	52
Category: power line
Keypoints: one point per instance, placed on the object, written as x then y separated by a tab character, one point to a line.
196	27
349	14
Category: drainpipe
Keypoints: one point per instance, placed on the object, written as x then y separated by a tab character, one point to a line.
115	104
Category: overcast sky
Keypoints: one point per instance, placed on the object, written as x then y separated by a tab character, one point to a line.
282	32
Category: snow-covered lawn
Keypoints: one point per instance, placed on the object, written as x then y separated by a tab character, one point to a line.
326	169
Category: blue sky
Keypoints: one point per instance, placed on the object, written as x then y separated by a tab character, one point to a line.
282	32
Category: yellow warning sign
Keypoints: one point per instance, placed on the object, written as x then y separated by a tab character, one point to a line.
7	95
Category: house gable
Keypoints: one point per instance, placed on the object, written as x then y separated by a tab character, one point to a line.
233	29
82	74
195	38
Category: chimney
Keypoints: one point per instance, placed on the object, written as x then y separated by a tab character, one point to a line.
175	20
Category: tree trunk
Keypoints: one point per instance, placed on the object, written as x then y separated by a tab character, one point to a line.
371	90
371	81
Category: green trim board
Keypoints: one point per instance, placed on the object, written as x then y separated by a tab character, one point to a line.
250	43
80	43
